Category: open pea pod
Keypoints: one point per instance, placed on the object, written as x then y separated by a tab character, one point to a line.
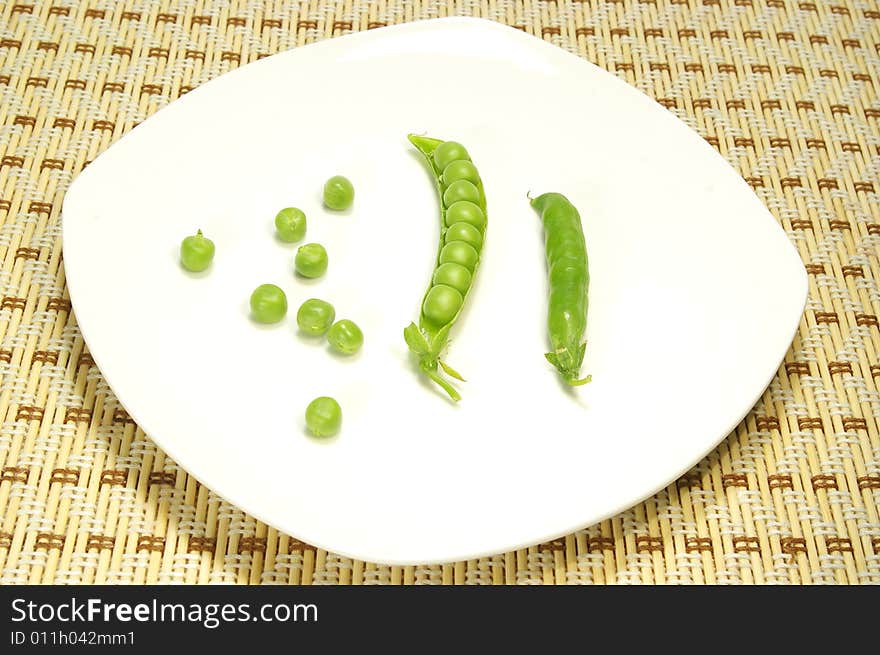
462	230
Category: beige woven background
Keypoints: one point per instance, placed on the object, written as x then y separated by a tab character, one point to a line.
787	91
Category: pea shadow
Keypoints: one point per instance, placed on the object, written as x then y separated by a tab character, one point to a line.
342	357
286	244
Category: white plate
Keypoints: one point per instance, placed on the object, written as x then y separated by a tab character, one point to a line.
696	292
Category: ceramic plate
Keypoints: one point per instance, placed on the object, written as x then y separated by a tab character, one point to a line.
695	297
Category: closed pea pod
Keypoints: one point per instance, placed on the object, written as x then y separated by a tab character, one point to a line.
462	233
569	281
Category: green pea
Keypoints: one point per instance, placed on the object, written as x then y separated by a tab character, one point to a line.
448	152
338	193
315	316
196	252
460	169
323	417
465	211
290	224
459	252
453	275
466	232
268	304
461	190
345	337
441	304
311	260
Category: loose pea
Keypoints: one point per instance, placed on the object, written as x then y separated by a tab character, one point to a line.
461	190
268	304
464	232
196	252
448	152
315	316
459	252
465	211
441	304
345	337
460	169
290	224
338	193
453	275
311	260
323	417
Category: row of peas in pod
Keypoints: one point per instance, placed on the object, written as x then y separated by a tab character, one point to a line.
315	317
462	231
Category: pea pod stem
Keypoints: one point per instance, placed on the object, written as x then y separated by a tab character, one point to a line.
443	384
451	372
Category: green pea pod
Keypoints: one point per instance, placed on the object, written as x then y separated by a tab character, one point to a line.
462	231
569	276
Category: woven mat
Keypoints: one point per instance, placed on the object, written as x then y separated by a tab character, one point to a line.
786	91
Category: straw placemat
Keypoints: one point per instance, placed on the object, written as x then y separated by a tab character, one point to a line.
787	91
